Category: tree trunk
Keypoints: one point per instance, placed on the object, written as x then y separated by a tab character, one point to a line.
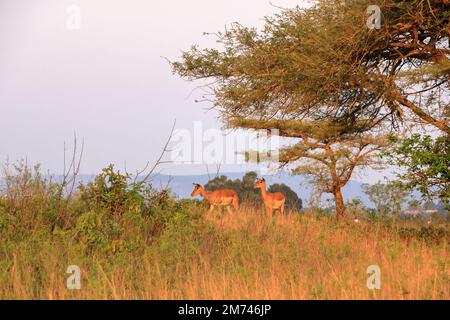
339	199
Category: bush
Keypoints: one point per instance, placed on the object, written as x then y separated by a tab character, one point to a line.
95	230
111	191
430	235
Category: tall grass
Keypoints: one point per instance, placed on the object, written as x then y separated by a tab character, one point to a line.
159	248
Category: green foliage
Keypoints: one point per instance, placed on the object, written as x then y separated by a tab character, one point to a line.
426	162
109	210
430	235
387	197
355	204
96	230
112	191
29	199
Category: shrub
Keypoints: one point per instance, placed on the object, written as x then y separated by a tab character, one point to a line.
111	191
430	235
96	230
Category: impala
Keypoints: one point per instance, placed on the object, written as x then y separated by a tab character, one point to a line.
272	201
224	197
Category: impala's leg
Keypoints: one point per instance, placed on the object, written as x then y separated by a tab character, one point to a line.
270	210
236	204
211	209
230	212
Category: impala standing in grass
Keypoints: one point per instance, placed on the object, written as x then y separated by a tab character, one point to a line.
219	198
272	201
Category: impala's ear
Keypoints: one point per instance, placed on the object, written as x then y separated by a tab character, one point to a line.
263	180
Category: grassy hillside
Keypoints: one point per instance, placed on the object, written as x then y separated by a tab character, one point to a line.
133	243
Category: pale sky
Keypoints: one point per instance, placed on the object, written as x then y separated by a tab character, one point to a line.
106	81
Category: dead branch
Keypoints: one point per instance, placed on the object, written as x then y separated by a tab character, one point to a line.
159	161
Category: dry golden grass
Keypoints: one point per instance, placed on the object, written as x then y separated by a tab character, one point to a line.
240	257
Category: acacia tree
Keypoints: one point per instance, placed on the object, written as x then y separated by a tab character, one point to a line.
388	198
324	65
323	152
325	62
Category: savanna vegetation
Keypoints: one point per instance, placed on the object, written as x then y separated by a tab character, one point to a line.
133	242
349	96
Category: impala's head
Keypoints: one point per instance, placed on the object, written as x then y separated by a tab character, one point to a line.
198	189
260	184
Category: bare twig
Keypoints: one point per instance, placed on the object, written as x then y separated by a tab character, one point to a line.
159	161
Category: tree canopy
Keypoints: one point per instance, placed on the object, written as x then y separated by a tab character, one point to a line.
324	62
388	198
426	164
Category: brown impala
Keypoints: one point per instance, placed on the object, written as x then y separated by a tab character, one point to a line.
224	198
272	201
